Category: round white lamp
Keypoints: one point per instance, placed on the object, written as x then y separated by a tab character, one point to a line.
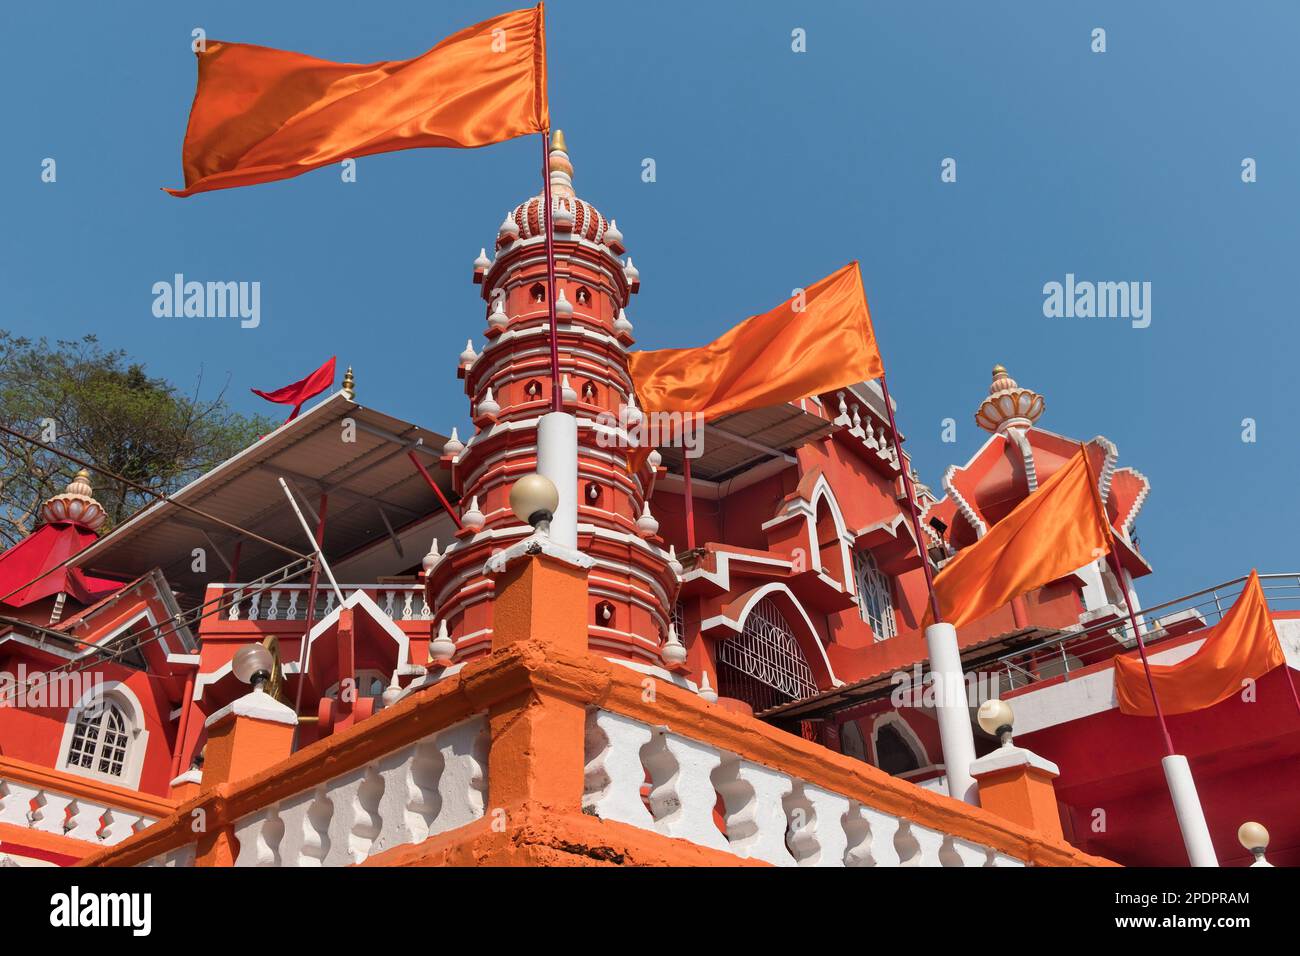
252	664
534	498
1254	838
995	718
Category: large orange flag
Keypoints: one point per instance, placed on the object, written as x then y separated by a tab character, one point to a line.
260	114
810	344
1244	645
1057	529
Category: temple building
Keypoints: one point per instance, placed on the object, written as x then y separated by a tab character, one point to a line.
710	655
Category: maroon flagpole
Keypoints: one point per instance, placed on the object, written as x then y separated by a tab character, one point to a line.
557	397
913	510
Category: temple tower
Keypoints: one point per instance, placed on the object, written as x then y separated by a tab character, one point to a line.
508	383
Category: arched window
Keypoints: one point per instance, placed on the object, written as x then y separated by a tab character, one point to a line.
537	293
101	740
894	754
763	665
851	742
875	595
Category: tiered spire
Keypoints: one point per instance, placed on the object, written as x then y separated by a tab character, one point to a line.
1008	405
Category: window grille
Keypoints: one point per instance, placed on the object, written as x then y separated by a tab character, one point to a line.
100	740
763	665
875	595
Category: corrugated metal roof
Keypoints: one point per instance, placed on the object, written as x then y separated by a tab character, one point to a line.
735	443
314	455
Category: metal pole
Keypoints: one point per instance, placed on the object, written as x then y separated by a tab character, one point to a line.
557	397
306	529
310	616
690	503
436	490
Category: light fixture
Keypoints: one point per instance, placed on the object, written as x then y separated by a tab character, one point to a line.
996	717
252	664
534	498
1254	838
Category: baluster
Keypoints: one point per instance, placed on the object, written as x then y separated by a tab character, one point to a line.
291	612
260	836
683	797
410	799
305	838
354	826
329	602
462	785
959	852
426	612
755	817
273	607
406	608
85	820
15	803
871	837
388	602
928	846
1001	859
254	603
613	773
117	826
234	604
819	838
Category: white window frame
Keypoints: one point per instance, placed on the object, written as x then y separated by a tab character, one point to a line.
115	694
875	591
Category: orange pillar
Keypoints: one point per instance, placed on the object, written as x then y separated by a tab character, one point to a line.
536	757
1016	784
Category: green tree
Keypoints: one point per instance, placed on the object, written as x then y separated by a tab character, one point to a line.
106	410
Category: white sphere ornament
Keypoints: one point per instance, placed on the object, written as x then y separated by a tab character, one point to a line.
252	664
534	498
994	715
1253	836
655	459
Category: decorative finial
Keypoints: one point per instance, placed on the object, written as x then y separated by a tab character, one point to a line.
76	505
561	168
349	385
557	141
1008	405
442	648
673	651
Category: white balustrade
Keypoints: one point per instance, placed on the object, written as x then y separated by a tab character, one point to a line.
288	602
769	815
65	814
428	787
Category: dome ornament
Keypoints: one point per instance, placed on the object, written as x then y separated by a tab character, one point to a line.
1008	405
76	505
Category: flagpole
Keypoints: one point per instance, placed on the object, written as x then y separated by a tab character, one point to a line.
952	709
1113	561
557	397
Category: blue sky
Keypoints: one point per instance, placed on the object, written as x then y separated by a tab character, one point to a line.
773	169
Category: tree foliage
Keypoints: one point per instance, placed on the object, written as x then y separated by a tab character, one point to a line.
105	409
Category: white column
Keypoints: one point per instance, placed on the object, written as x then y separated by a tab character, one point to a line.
557	459
1187	806
952	711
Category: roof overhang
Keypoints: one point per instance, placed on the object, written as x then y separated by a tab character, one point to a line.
735	443
356	455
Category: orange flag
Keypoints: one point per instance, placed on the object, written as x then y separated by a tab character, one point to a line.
1242	645
260	114
812	343
1057	529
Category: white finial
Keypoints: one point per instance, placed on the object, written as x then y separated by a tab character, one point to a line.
706	691
498	319
509	230
562	216
654	459
673	564
566	391
453	446
473	519
393	692
646	525
673	651
431	559
632	273
563	307
613	238
482	263
488	406
442	648
621	325
469	356
631	413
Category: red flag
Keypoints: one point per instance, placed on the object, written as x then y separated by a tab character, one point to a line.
300	391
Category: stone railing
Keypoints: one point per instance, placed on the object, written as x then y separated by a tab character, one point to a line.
288	602
534	755
67	805
770	815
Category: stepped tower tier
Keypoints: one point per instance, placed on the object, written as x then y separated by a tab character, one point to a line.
508	383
